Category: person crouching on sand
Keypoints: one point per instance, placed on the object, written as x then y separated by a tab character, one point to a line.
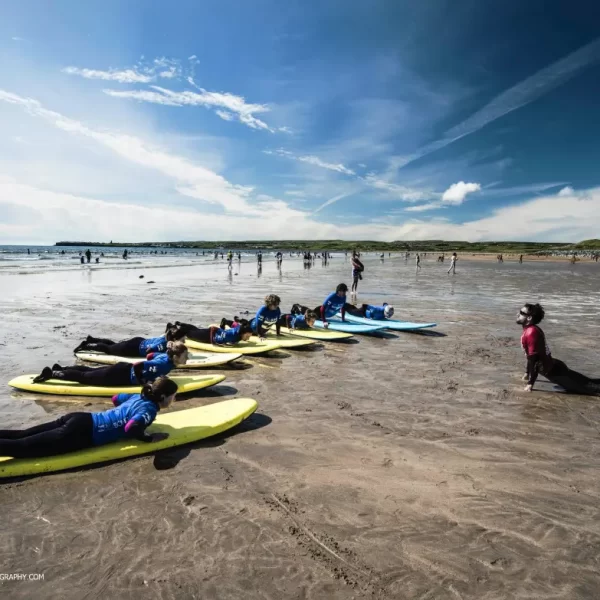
131	415
540	360
123	374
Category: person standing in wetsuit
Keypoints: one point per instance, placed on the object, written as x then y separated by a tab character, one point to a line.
540	360
357	269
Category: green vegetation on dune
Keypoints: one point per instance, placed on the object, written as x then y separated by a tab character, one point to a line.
363	245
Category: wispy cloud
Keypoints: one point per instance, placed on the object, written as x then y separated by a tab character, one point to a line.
521	94
312	160
190	179
457	192
235	106
124	76
333	201
16	38
424	207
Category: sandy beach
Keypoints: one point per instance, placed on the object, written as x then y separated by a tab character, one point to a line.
408	466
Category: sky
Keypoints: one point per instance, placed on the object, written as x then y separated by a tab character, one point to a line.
359	120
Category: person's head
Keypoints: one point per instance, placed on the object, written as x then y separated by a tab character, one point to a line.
530	314
272	301
245	331
162	391
310	316
178	353
454	254
388	311
341	290
175	333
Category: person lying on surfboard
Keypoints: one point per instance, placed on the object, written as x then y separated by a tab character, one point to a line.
368	311
122	374
238	332
134	347
292	321
131	415
266	316
334	303
540	360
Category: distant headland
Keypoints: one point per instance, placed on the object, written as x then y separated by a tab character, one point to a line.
362	245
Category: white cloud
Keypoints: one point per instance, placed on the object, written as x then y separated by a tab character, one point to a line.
295	193
333	201
521	94
407	194
123	76
234	105
457	192
226	116
566	191
191	179
45	216
16	38
424	207
315	160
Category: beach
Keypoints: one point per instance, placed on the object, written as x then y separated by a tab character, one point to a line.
409	466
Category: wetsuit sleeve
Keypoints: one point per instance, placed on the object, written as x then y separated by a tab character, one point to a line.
260	318
136	426
322	311
150	356
118	399
532	368
278	324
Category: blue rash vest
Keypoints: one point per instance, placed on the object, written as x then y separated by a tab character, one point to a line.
153	368
297	322
375	312
264	319
158	344
113	424
226	336
333	304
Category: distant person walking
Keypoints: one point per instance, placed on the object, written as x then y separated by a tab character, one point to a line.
259	258
521	259
417	262
125	254
357	269
88	255
453	260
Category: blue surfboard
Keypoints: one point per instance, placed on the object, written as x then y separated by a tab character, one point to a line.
392	324
338	325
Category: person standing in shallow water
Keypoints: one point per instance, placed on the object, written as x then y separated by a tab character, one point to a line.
540	360
453	260
418	262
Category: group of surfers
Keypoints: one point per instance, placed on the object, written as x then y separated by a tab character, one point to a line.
133	413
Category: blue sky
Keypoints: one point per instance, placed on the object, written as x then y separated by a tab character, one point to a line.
384	120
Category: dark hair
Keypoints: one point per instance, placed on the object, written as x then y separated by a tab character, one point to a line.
537	313
174	333
310	314
176	349
245	328
341	288
159	389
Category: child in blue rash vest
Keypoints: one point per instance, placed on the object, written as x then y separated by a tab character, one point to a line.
134	347
130	417
122	374
292	321
219	335
267	316
369	311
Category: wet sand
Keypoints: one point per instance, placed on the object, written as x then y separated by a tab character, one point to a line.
408	466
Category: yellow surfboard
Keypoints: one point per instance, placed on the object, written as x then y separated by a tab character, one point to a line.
250	347
195	360
182	427
284	340
70	388
325	335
